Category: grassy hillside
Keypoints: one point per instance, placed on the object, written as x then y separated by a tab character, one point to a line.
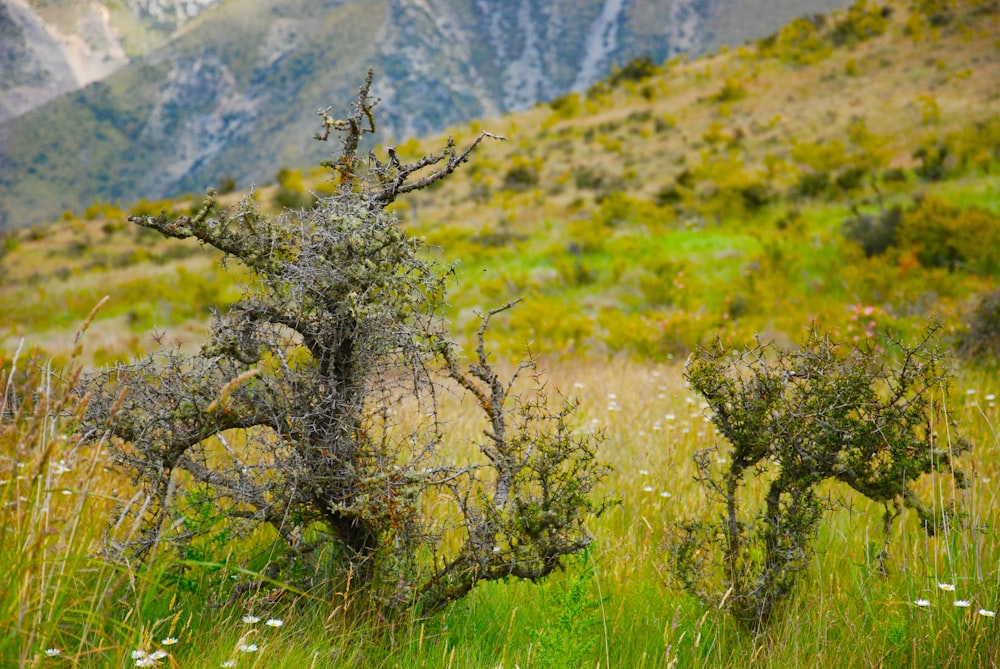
843	172
651	212
235	90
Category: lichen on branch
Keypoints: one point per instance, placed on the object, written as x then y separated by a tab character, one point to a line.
312	407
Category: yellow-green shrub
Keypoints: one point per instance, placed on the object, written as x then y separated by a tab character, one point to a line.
800	43
651	334
549	325
944	236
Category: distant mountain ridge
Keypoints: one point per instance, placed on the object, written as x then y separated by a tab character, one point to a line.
233	87
52	47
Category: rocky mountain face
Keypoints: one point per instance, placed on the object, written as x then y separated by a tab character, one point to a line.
52	47
507	55
167	96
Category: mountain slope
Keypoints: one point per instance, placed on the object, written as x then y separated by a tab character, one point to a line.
645	214
235	91
52	47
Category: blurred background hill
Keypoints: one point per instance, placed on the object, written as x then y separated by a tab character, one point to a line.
154	98
842	167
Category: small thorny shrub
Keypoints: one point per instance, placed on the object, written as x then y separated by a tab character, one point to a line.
942	235
793	419
313	409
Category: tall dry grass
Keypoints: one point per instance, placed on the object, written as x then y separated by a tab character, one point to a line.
615	606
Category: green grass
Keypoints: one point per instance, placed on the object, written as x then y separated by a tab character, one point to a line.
615	603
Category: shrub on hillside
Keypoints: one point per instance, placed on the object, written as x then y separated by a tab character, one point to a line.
291	193
288	198
875	233
144	207
944	236
862	21
792	421
808	40
975	147
566	106
850	178
650	334
669	195
936	13
812	184
592	178
756	196
520	177
732	90
934	161
637	69
311	415
227	184
800	42
587	236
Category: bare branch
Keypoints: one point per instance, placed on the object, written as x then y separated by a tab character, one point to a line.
397	184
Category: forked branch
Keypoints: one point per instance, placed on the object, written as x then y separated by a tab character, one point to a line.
389	179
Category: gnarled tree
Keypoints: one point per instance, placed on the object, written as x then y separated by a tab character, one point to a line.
313	407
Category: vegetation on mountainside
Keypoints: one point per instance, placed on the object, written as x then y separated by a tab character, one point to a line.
752	207
233	90
842	174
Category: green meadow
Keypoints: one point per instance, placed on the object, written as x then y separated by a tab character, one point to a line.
843	173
